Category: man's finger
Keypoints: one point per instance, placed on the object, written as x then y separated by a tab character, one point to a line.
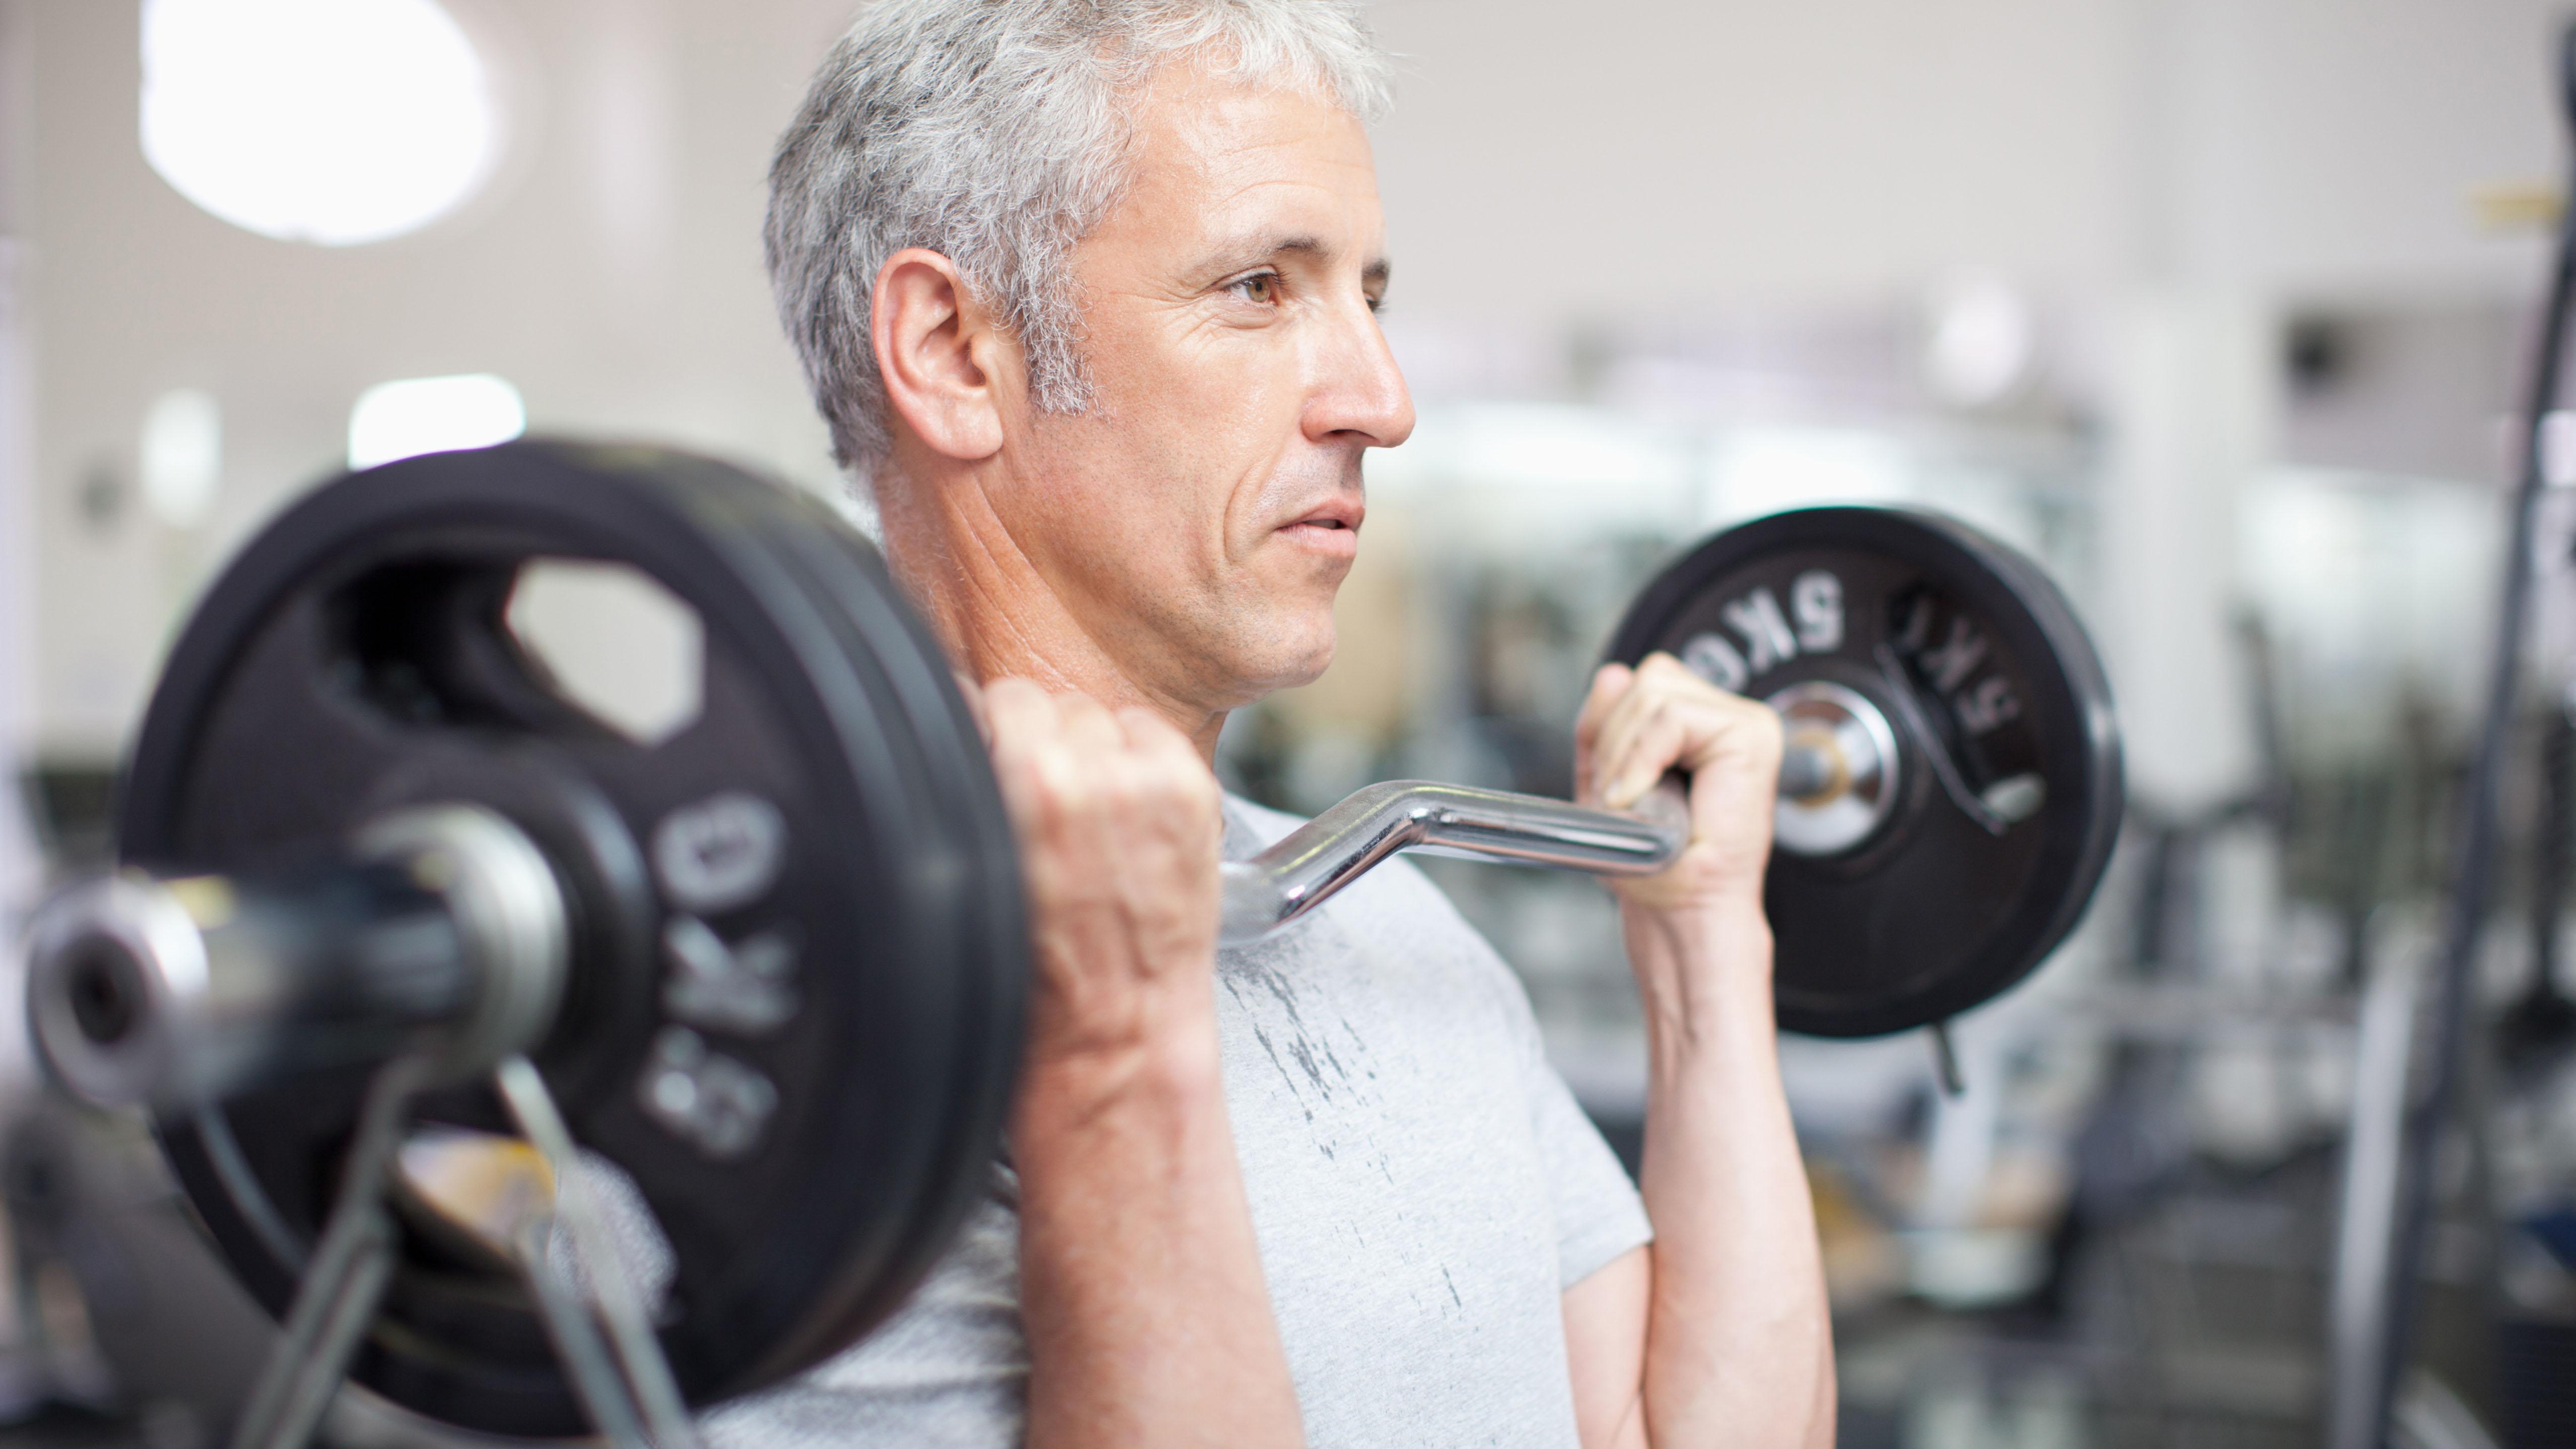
1619	724
1019	714
1659	740
1088	725
1609	683
973	693
1616	746
1615	729
1150	733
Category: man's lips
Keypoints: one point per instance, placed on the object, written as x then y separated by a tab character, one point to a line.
1336	515
1330	532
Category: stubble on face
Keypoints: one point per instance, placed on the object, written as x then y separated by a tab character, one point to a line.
1198	519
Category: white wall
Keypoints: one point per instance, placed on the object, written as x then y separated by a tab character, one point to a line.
17	532
2332	146
1633	158
1550	167
1626	158
613	274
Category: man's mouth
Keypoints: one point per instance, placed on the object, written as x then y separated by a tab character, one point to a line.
1330	532
1332	517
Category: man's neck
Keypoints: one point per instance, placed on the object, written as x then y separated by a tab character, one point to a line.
991	606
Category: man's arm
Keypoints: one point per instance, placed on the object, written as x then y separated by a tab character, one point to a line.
1141	1291
1719	1332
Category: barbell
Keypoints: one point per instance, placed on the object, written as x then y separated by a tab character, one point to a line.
406	943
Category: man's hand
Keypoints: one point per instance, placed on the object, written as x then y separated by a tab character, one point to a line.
1140	1281
1640	723
1119	827
1717	1332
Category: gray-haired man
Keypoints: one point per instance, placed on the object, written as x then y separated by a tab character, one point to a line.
1087	289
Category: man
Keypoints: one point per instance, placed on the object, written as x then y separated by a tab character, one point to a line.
1086	289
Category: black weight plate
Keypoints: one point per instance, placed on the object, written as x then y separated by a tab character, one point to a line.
807	1132
1951	633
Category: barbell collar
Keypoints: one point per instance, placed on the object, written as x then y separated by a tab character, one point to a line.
442	925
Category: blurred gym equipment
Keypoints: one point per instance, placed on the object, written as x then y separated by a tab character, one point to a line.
2389	1189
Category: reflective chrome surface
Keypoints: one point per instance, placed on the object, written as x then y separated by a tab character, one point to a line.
445	924
1327	853
1852	785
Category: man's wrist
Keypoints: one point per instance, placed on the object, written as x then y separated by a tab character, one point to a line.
1165	1074
1714	931
1702	968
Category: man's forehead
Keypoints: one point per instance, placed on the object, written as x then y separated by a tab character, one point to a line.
1256	172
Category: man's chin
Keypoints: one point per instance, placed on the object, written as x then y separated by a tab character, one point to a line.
1265	667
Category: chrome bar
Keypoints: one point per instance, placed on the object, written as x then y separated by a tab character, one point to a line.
1330	851
646	1402
345	1279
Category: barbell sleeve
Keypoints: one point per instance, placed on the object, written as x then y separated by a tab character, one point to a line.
440	923
1808	770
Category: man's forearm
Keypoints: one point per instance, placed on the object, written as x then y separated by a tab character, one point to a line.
1148	1322
1739	1337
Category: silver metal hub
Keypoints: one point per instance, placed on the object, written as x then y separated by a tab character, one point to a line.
445	925
1854	789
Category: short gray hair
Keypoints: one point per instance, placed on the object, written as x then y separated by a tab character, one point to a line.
996	133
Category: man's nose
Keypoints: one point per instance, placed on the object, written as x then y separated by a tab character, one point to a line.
1358	388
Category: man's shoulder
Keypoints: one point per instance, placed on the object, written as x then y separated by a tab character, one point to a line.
1260	825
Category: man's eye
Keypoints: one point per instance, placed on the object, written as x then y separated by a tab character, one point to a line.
1261	287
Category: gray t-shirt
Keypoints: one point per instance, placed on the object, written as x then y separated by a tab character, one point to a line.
1423	1187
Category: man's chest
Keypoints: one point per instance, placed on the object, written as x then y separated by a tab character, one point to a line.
1382	1114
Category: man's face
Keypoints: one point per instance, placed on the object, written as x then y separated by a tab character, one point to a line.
1199	516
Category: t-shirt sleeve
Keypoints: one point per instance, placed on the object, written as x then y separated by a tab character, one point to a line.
948	1371
1598	1213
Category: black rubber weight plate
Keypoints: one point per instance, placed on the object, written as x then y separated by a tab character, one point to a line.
1933	622
799	955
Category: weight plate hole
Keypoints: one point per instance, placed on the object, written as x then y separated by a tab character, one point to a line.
612	643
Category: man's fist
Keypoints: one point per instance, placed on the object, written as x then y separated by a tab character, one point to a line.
1120	829
1640	723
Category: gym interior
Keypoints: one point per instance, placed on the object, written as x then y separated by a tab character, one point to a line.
2233	317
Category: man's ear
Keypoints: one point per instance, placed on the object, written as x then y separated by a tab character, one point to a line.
939	353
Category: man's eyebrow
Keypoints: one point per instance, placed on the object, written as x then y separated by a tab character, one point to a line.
1250	252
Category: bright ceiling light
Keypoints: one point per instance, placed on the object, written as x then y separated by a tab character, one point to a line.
183	456
327	121
433	415
1984	340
